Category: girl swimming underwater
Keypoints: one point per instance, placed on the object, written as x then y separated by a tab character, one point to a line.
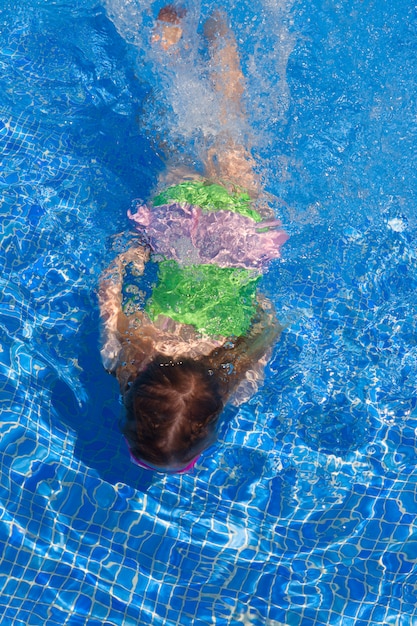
205	331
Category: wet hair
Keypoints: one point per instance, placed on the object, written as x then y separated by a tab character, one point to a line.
172	409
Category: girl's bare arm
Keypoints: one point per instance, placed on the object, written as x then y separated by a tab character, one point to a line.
237	356
110	300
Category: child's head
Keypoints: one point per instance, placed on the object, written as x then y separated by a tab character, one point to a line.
172	409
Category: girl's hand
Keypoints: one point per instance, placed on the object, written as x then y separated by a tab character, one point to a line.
136	254
110	300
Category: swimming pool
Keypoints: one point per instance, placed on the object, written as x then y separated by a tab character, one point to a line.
304	512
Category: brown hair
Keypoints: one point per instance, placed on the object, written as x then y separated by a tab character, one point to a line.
172	408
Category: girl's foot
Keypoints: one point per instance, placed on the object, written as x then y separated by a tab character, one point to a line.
168	31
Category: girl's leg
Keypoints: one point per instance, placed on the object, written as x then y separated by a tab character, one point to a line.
228	159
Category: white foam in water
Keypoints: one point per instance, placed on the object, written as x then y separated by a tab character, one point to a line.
183	109
397	224
127	16
268	64
182	103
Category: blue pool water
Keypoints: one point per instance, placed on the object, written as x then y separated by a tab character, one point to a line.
304	512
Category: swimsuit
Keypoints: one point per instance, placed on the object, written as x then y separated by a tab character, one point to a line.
215	300
212	247
209	196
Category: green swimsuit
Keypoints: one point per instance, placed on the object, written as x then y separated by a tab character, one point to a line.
215	300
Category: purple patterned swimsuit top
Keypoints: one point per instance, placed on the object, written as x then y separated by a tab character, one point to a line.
188	235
